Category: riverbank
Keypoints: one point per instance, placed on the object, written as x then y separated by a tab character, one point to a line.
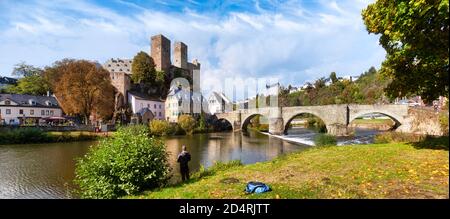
36	136
394	170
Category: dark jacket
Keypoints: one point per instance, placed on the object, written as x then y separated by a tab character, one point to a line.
183	158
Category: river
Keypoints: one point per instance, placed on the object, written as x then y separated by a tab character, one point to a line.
47	170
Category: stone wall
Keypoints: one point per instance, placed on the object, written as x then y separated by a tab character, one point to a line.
422	121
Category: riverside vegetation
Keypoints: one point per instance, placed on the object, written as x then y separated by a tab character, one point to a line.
28	135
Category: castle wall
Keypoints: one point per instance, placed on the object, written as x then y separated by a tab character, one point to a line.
160	52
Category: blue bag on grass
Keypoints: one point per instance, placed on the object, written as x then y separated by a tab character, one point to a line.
256	187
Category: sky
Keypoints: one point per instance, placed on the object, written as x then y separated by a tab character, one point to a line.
294	41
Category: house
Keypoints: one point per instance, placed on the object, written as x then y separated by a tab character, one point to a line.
4	81
181	101
146	108
19	109
219	103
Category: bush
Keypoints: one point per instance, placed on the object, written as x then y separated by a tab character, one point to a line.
124	165
317	124
24	135
389	137
443	121
160	128
325	140
187	123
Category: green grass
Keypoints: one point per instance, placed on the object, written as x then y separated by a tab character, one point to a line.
373	121
393	170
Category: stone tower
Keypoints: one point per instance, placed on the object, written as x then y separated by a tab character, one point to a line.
160	52
180	55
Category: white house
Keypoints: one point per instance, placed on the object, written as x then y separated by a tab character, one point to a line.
182	101
219	103
142	103
17	109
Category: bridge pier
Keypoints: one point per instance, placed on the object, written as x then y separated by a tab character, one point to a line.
276	122
338	129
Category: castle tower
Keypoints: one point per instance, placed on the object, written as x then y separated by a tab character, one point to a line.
160	52
180	55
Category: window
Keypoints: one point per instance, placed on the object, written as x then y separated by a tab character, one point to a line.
160	106
148	105
159	114
7	102
47	112
42	112
8	111
51	112
20	111
31	112
154	106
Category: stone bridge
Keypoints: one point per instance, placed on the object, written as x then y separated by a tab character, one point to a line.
336	117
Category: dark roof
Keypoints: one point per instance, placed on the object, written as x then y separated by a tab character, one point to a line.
7	80
143	96
24	100
142	111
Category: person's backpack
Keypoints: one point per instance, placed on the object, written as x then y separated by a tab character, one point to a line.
256	187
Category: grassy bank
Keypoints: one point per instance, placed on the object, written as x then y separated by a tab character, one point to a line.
35	135
394	170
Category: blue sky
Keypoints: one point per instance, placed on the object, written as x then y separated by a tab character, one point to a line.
294	40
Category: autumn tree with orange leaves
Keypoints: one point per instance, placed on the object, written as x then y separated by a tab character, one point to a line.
82	88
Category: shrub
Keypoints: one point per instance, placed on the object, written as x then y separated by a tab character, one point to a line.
124	165
443	121
325	140
187	123
389	137
175	129
160	128
24	135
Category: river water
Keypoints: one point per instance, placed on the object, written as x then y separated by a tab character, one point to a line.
47	170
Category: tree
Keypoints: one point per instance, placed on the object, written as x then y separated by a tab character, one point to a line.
82	88
143	68
32	80
415	35
333	77
187	123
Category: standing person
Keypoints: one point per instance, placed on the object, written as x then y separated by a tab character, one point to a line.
183	158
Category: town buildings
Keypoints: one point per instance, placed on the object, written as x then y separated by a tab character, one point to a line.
18	109
146	108
219	103
181	101
127	96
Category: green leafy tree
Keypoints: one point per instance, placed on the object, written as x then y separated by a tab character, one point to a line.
32	80
143	68
333	77
415	35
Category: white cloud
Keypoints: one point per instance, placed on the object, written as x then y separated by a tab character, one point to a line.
293	42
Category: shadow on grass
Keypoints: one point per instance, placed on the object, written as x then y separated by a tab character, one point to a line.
431	142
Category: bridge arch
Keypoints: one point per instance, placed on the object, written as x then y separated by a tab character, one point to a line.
246	120
398	120
225	123
289	119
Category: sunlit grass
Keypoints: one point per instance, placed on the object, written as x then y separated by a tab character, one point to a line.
395	170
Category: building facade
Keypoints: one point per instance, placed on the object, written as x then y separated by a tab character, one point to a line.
219	103
141	104
18	109
183	101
